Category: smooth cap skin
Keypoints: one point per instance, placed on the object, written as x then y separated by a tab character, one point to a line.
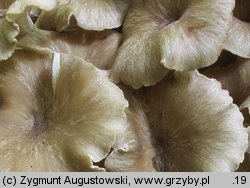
133	149
67	128
98	48
179	35
239	34
195	125
89	14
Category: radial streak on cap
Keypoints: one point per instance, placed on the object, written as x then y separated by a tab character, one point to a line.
67	130
238	36
196	126
180	35
98	48
90	15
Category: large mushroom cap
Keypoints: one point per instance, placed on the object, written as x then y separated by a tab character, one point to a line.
196	126
57	113
180	35
235	78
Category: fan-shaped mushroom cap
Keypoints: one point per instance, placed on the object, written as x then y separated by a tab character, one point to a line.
19	6
11	32
133	149
196	126
235	79
238	38
90	15
65	129
239	33
8	32
98	48
180	35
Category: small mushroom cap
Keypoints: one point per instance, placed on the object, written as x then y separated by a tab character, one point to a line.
90	15
19	6
8	32
238	38
179	35
98	48
65	129
11	32
239	33
234	78
195	125
133	149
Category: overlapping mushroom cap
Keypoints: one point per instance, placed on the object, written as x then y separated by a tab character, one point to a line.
8	32
57	113
234	78
180	35
98	48
90	15
239	34
133	149
20	14
58	14
195	125
14	24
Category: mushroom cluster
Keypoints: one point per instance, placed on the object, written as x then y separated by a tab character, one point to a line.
125	85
